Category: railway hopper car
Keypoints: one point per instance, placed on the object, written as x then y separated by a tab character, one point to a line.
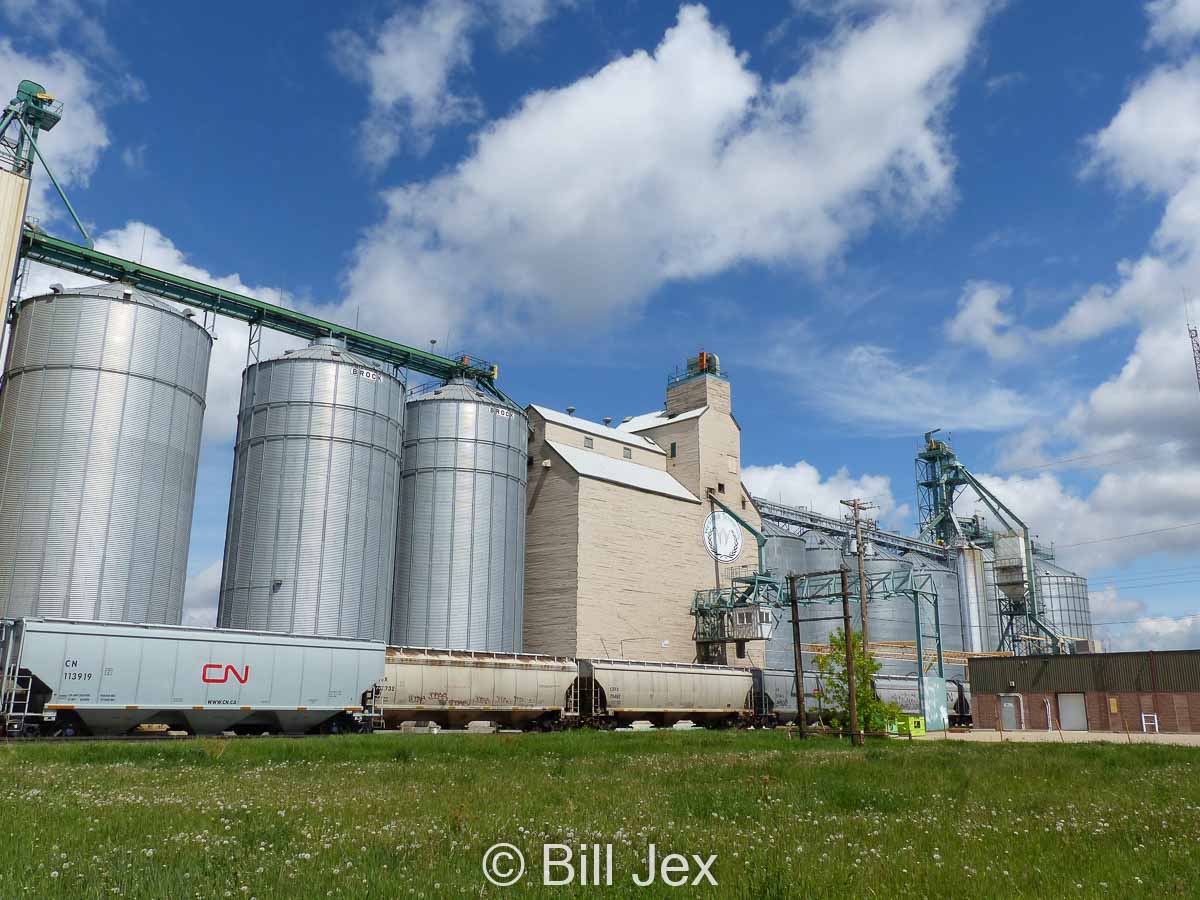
456	687
775	695
63	676
619	691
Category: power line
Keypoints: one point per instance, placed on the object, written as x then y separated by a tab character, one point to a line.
1147	574
1122	537
1122	454
1138	586
1125	573
1144	618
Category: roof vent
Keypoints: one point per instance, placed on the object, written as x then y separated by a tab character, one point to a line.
127	293
570	410
189	314
607	421
56	288
627	419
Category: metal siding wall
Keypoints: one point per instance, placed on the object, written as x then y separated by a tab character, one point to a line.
1177	670
1087	672
315	486
100	420
459	581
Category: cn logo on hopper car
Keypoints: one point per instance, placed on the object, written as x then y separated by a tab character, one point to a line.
214	673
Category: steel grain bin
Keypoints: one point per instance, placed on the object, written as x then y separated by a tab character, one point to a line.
100	419
1064	598
310	545
460	559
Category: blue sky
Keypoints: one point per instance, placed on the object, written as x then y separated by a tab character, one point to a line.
884	216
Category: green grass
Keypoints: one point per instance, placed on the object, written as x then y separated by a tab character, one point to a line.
410	816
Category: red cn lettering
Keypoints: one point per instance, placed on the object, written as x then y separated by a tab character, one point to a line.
214	673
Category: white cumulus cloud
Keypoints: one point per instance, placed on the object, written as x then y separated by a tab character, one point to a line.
413	66
200	596
981	322
74	147
1121	504
1173	21
147	244
671	165
801	484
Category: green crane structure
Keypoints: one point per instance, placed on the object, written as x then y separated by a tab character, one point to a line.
745	610
941	477
33	111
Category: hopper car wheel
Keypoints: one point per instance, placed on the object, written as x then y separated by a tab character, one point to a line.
30	730
338	725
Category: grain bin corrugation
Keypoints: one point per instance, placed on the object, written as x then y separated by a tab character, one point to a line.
460	561
311	540
100	422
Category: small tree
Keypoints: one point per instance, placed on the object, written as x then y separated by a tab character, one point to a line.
873	713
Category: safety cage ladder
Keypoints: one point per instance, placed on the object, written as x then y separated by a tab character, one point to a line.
16	689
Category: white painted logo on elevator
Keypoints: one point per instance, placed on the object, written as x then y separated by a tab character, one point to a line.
722	536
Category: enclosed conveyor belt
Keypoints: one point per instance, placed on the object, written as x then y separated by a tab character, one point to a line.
41	247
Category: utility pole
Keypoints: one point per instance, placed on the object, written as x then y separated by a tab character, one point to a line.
858	506
800	712
856	737
1194	334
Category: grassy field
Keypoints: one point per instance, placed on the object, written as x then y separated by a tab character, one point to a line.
411	816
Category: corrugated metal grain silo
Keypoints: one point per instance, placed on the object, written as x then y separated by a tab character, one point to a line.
1064	597
460	559
100	421
945	581
890	618
974	599
818	622
785	555
310	545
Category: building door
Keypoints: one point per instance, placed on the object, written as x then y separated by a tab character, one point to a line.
1072	712
1010	712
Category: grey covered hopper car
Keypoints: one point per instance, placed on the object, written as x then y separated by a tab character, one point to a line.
663	693
108	678
454	687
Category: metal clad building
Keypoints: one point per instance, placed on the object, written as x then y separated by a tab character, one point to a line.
460	557
311	540
100	424
1079	672
1144	691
